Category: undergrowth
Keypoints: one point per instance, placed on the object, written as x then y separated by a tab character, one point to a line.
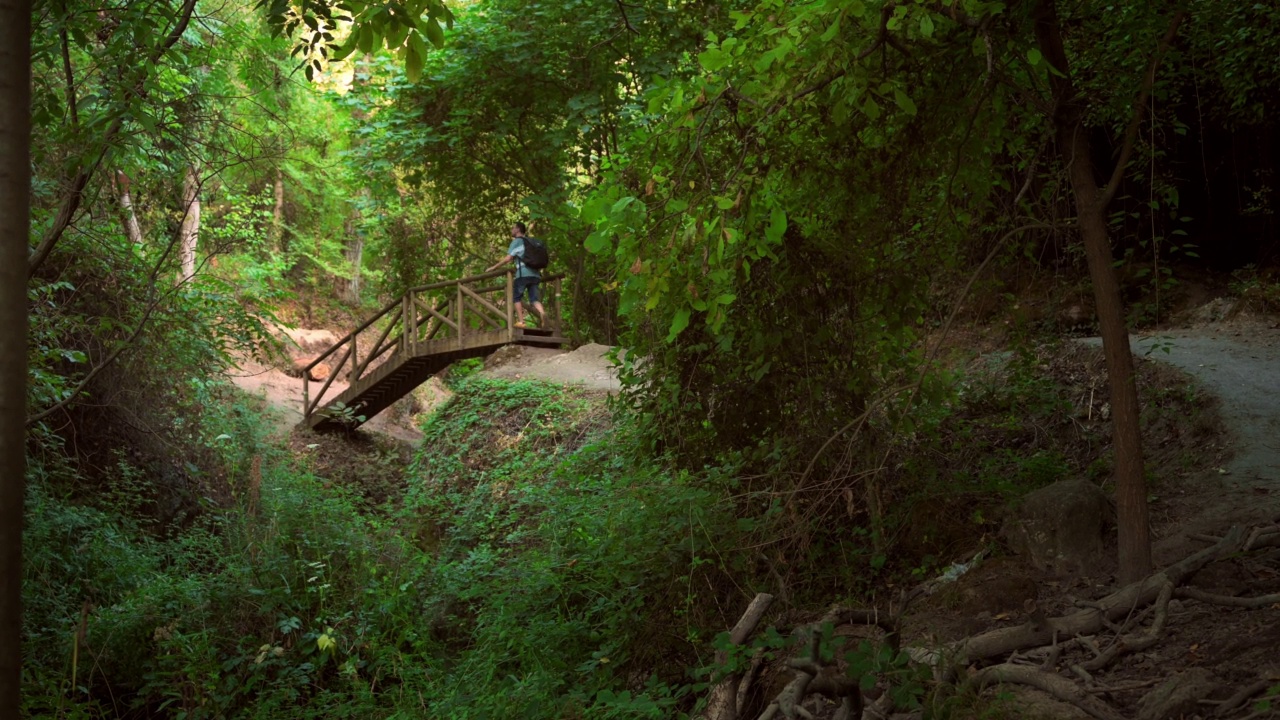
534	567
533	559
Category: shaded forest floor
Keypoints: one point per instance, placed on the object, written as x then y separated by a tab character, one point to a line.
1210	425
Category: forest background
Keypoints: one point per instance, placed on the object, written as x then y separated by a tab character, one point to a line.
781	207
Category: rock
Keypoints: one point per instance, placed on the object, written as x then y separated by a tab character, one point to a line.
310	342
1060	527
505	355
1029	703
1176	696
319	372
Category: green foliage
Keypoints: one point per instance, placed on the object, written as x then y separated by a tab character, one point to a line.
524	571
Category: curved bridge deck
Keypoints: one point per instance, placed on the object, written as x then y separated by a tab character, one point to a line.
417	336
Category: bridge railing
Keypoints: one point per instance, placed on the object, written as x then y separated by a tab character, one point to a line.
439	317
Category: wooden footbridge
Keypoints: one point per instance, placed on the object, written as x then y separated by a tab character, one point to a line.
417	336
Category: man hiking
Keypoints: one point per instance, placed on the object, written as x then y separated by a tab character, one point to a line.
528	276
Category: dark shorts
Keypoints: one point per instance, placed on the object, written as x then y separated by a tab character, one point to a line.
526	283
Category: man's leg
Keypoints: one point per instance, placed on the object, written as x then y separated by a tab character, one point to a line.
535	299
519	316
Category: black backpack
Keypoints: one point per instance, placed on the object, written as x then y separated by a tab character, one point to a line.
535	254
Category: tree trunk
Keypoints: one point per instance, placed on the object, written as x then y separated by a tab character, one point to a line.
189	233
15	228
277	213
131	227
355	256
1091	207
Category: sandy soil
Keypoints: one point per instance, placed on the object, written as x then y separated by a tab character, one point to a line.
585	367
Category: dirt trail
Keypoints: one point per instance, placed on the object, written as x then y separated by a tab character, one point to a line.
1241	365
283	395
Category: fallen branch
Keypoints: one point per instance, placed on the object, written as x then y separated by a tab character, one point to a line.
723	703
1116	606
1054	684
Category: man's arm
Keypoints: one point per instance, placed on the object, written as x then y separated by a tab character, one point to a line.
506	259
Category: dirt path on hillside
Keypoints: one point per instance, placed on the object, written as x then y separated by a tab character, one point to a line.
1241	366
1240	363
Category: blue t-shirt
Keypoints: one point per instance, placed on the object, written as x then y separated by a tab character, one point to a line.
517	251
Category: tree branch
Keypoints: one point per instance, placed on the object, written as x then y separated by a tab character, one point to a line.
1139	110
71	201
622	8
126	344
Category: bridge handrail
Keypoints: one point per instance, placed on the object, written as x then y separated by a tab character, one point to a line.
411	321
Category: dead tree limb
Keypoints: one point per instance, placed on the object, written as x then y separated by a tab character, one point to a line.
723	703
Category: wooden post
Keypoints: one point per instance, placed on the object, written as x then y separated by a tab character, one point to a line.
557	321
355	360
408	329
306	395
511	308
462	315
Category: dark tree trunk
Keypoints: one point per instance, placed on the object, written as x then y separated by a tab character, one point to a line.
15	182
1091	201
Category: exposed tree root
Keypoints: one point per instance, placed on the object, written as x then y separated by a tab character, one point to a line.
1030	651
1240	697
1116	606
1135	643
1191	593
1052	683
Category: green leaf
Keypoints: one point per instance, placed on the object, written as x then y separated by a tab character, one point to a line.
366	39
413	60
622	204
434	33
777	225
678	323
1034	57
904	102
713	59
596	243
871	109
926	25
831	30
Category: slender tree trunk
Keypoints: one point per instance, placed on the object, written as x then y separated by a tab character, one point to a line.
1091	207
277	212
131	227
355	256
190	232
15	184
